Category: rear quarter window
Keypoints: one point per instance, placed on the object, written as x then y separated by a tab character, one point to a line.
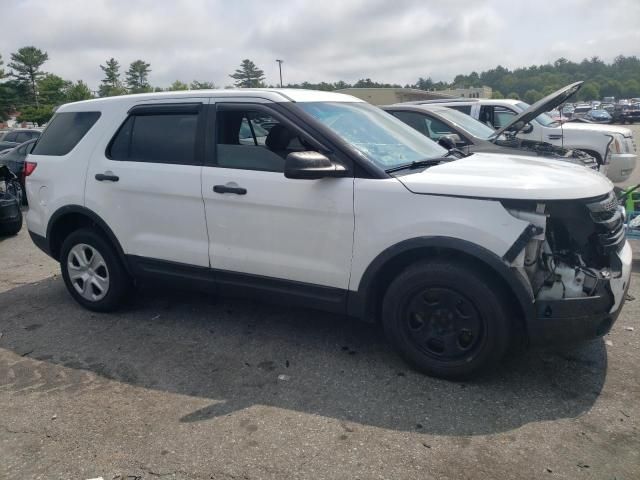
64	132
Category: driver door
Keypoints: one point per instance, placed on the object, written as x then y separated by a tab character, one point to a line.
263	226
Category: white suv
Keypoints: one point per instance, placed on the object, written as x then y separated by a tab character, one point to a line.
322	200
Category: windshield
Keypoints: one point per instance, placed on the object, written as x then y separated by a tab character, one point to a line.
543	119
376	135
467	123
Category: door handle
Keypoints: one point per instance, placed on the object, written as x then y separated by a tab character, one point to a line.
101	177
228	189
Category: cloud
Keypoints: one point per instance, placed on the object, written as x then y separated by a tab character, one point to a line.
329	40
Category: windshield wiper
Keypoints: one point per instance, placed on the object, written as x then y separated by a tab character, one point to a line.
429	162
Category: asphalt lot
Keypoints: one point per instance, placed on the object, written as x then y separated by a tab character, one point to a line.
182	385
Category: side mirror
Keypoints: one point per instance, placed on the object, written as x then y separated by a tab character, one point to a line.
451	141
311	166
528	128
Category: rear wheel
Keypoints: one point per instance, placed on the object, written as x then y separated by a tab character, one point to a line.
448	319
92	271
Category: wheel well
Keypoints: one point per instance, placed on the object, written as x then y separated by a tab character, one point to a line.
594	154
393	267
67	224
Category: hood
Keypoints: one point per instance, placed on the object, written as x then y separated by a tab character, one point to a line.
600	128
541	106
488	175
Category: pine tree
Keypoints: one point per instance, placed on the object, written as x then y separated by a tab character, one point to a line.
26	65
111	84
248	75
137	77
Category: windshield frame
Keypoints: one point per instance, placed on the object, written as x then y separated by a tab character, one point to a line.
404	138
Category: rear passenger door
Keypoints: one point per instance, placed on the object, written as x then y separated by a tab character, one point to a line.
262	225
146	184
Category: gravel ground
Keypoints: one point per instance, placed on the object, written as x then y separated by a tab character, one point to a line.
180	385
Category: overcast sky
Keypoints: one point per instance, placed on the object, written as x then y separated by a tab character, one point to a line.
392	41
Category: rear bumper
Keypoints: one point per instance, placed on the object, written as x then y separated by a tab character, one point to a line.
578	319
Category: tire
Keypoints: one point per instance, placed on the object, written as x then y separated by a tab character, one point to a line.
93	272
447	319
13	227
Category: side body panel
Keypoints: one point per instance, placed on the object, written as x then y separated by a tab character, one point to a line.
387	214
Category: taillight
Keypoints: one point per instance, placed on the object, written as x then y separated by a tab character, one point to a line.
29	167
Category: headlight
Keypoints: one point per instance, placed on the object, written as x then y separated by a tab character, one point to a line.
3	186
618	145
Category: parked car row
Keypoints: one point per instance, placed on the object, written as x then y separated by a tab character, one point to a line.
528	126
499	238
599	112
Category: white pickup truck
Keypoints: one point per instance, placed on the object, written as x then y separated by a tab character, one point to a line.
612	146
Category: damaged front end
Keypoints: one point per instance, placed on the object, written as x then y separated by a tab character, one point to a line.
578	263
547	150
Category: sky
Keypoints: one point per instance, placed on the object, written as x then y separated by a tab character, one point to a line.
321	40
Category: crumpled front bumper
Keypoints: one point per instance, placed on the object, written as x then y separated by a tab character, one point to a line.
578	319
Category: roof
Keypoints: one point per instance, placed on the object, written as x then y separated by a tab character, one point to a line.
416	106
273	94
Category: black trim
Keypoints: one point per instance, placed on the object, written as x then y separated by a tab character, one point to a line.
362	303
527	234
40	242
166	108
572	319
91	215
269	289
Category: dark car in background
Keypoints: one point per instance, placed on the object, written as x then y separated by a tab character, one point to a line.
446	125
626	113
18	136
14	159
598	116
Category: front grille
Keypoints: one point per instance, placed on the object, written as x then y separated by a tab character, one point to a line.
607	215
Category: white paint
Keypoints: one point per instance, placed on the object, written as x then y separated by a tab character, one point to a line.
509	176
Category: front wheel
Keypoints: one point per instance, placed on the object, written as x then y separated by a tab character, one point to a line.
92	271
448	319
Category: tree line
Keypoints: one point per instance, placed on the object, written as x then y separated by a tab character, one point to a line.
25	87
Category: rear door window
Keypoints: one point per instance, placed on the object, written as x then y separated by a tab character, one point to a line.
64	132
165	137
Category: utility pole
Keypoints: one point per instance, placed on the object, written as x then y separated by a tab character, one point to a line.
280	62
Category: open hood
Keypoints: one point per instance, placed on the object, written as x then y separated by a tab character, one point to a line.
499	176
541	106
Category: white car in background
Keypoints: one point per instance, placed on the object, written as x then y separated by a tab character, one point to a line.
612	146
